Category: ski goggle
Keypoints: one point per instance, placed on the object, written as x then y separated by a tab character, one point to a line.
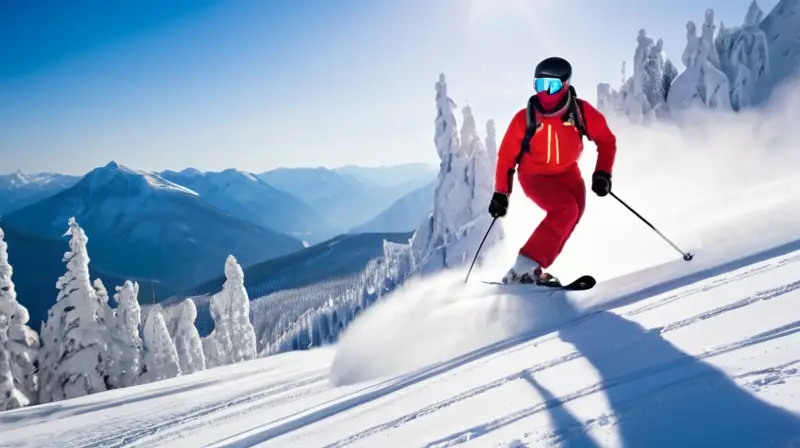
549	85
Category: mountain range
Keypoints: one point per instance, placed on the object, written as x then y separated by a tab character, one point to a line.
247	197
143	226
18	189
348	196
171	231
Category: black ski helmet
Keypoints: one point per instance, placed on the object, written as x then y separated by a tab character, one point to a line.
554	67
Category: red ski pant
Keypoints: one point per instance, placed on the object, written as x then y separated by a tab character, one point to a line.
563	198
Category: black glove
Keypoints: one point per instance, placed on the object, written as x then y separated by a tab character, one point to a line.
601	183
499	205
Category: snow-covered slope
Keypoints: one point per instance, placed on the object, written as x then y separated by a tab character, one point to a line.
18	189
345	200
247	197
711	362
143	226
782	26
405	214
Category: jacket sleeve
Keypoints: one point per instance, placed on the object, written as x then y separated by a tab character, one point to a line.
508	151
599	132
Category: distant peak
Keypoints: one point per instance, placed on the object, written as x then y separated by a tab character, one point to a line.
191	172
112	165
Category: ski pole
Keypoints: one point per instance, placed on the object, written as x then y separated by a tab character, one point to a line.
686	255
479	249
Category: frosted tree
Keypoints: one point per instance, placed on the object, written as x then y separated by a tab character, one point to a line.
446	133
160	355
654	77
230	309
491	142
744	56
702	84
19	344
187	340
479	169
670	73
466	183
126	345
10	395
74	337
102	297
213	351
708	39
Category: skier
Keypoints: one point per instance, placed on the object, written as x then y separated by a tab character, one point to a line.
545	140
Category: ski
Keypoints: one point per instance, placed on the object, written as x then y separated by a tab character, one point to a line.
582	283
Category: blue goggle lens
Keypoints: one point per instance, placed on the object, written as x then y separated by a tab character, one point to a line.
549	85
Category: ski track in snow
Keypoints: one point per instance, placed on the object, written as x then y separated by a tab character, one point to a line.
294	406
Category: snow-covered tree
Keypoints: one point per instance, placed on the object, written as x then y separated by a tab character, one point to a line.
466	183
446	133
744	56
10	395
702	84
19	344
643	96
230	309
670	73
491	142
187	340
213	351
75	336
160	355
126	345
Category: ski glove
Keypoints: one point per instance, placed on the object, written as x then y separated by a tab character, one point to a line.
499	205
601	183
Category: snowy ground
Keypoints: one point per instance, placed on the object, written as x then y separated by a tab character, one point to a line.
714	361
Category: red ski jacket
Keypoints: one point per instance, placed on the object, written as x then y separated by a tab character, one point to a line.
554	147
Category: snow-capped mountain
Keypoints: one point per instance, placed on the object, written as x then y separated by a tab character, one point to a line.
245	196
18	189
346	200
405	214
143	226
782	27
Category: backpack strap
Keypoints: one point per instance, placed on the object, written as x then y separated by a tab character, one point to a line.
530	129
575	113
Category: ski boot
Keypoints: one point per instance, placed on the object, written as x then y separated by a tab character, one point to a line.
534	276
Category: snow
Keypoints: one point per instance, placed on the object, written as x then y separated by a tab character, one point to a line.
662	352
712	362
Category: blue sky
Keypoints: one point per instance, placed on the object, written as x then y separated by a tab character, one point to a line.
257	84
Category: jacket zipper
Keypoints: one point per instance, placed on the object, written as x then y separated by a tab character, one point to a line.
549	145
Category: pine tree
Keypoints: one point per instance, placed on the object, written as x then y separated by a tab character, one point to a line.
19	344
74	337
160	355
230	309
127	345
187	340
